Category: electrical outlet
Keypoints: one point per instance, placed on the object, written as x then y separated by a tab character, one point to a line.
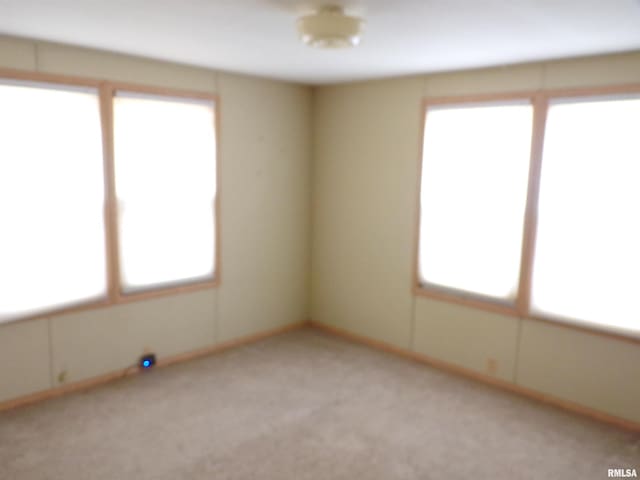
147	361
492	366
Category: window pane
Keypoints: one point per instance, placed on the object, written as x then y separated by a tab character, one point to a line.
473	196
51	199
165	174
587	260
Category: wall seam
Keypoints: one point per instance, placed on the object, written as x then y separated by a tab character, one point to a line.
216	314
416	199
412	332
543	75
516	365
220	163
36	56
312	134
52	382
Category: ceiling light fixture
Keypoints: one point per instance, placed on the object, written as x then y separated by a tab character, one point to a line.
329	27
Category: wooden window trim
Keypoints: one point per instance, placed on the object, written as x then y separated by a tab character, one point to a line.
521	309
178	287
448	294
106	90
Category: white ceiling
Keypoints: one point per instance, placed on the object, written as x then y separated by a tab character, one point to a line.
401	36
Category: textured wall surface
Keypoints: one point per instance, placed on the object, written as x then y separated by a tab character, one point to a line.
265	165
318	197
367	147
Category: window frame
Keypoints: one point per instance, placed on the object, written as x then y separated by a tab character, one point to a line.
540	100
106	91
179	287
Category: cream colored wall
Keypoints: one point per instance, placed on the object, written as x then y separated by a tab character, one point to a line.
264	153
265	150
367	141
366	138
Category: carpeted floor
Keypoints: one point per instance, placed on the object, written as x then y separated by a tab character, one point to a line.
304	406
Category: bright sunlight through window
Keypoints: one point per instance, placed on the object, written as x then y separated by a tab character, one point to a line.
165	175
473	196
587	257
51	198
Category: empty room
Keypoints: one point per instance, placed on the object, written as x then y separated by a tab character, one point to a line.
289	239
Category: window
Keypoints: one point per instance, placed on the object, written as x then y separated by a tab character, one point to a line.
587	256
165	180
531	208
52	198
107	195
473	196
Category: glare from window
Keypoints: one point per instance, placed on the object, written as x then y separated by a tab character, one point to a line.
587	257
51	199
473	196
165	174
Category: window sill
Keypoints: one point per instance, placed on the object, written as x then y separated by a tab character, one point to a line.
478	302
119	299
467	300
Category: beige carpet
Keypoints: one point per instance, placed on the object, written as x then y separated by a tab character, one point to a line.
304	405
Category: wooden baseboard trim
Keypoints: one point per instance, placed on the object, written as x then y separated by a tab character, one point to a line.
479	377
184	357
162	362
236	342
